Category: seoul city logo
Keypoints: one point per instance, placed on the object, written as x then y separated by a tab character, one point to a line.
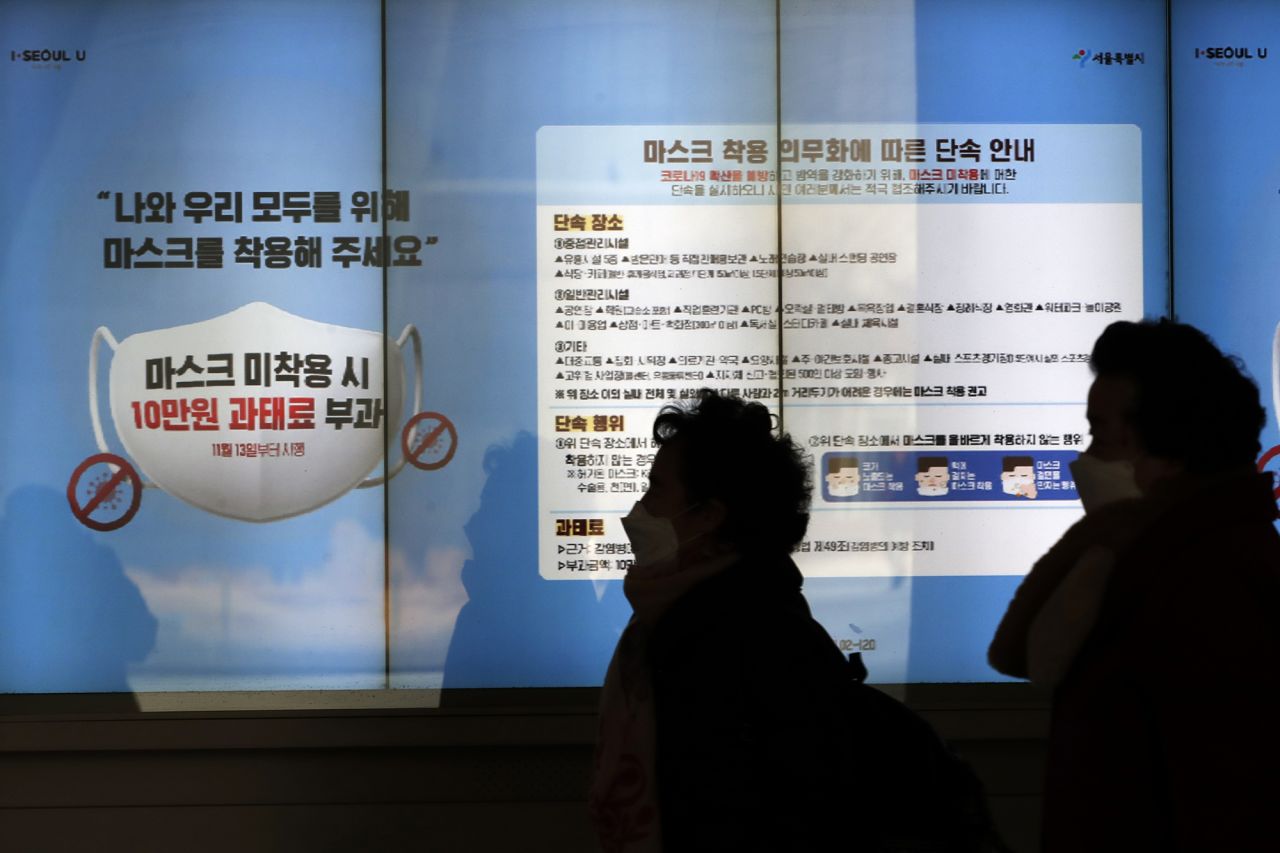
47	55
1230	53
1081	56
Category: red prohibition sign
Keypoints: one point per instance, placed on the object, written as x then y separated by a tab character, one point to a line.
104	492
1267	457
435	448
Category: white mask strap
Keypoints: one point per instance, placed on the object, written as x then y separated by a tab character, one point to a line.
410	333
100	333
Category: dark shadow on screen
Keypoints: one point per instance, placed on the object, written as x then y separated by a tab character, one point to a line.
519	629
70	619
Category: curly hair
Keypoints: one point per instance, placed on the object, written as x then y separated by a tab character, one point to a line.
732	454
1192	403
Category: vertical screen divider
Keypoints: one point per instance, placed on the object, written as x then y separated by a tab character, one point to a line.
386	329
1170	304
777	147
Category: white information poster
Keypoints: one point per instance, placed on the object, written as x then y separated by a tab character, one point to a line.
917	303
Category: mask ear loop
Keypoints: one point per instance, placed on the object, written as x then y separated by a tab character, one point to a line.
104	334
1275	374
100	333
410	333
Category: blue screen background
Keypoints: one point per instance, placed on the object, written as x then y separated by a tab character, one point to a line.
246	96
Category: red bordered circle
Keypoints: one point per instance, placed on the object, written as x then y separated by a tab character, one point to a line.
1262	464
124	471
413	455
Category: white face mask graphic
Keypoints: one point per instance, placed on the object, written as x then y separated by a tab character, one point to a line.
652	539
257	414
1099	483
932	491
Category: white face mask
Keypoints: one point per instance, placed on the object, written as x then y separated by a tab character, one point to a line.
652	539
932	491
194	440
1099	483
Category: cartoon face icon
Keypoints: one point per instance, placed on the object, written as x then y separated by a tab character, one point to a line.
932	476
1018	478
843	476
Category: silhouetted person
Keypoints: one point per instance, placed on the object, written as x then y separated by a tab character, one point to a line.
71	621
722	712
1154	619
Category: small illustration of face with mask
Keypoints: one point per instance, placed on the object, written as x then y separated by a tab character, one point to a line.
843	476
1018	477
932	476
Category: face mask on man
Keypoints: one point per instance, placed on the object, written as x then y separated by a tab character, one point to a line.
1099	482
652	539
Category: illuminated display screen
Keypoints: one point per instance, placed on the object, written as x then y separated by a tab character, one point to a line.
334	332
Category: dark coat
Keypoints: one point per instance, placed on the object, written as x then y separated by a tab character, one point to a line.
751	710
1163	734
